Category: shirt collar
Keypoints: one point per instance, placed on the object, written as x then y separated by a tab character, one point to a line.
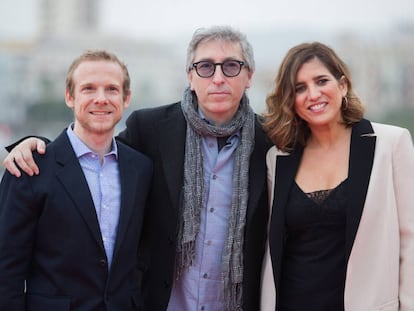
81	148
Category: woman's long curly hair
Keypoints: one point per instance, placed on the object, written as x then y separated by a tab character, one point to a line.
282	124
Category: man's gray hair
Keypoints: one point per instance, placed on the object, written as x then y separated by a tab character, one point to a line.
224	34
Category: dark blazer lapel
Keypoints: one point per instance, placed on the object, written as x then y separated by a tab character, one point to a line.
172	146
360	165
129	184
257	169
286	168
72	178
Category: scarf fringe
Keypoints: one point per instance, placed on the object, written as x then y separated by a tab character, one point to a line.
234	297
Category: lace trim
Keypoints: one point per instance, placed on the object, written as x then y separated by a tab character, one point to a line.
319	196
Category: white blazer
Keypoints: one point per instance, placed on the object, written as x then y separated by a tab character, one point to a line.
380	219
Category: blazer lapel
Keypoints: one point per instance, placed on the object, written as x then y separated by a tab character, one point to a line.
129	184
72	178
360	165
172	146
257	169
286	168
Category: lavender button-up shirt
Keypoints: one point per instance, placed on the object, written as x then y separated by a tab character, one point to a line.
200	287
105	187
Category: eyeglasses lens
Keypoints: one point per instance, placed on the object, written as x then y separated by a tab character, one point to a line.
206	69
231	68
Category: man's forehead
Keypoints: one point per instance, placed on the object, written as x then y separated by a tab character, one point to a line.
218	48
97	70
98	66
218	44
98	63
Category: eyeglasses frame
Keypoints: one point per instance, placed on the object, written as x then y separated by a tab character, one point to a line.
241	63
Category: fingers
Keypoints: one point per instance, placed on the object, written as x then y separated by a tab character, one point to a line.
40	146
25	161
8	163
21	157
18	160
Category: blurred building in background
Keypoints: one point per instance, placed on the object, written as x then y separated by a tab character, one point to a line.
62	17
32	74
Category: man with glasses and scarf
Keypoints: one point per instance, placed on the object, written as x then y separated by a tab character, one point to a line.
205	228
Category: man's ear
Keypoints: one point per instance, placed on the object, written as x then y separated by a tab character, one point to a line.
68	99
190	79
249	81
127	100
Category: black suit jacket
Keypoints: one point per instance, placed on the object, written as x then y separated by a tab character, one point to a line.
50	236
160	133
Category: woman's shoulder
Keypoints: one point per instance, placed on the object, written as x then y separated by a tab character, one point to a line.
383	127
273	153
383	130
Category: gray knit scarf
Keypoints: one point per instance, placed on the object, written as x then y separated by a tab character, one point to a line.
195	197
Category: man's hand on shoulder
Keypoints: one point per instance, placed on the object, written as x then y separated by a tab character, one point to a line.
21	157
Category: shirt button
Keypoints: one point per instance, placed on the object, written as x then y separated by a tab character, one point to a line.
209	242
205	275
214	177
202	308
212	210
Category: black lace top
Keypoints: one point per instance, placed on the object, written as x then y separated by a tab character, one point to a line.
313	267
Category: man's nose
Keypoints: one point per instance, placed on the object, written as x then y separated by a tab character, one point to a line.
218	76
101	96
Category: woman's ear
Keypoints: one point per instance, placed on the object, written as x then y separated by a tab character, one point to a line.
343	85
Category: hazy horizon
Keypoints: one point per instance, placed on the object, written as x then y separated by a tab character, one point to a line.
160	19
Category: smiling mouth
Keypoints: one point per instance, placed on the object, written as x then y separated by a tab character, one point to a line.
317	107
100	113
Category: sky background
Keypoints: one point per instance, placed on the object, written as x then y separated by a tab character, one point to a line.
170	18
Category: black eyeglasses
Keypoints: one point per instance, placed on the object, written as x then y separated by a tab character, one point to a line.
230	68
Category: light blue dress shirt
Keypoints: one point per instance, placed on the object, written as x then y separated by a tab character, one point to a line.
105	187
200	287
